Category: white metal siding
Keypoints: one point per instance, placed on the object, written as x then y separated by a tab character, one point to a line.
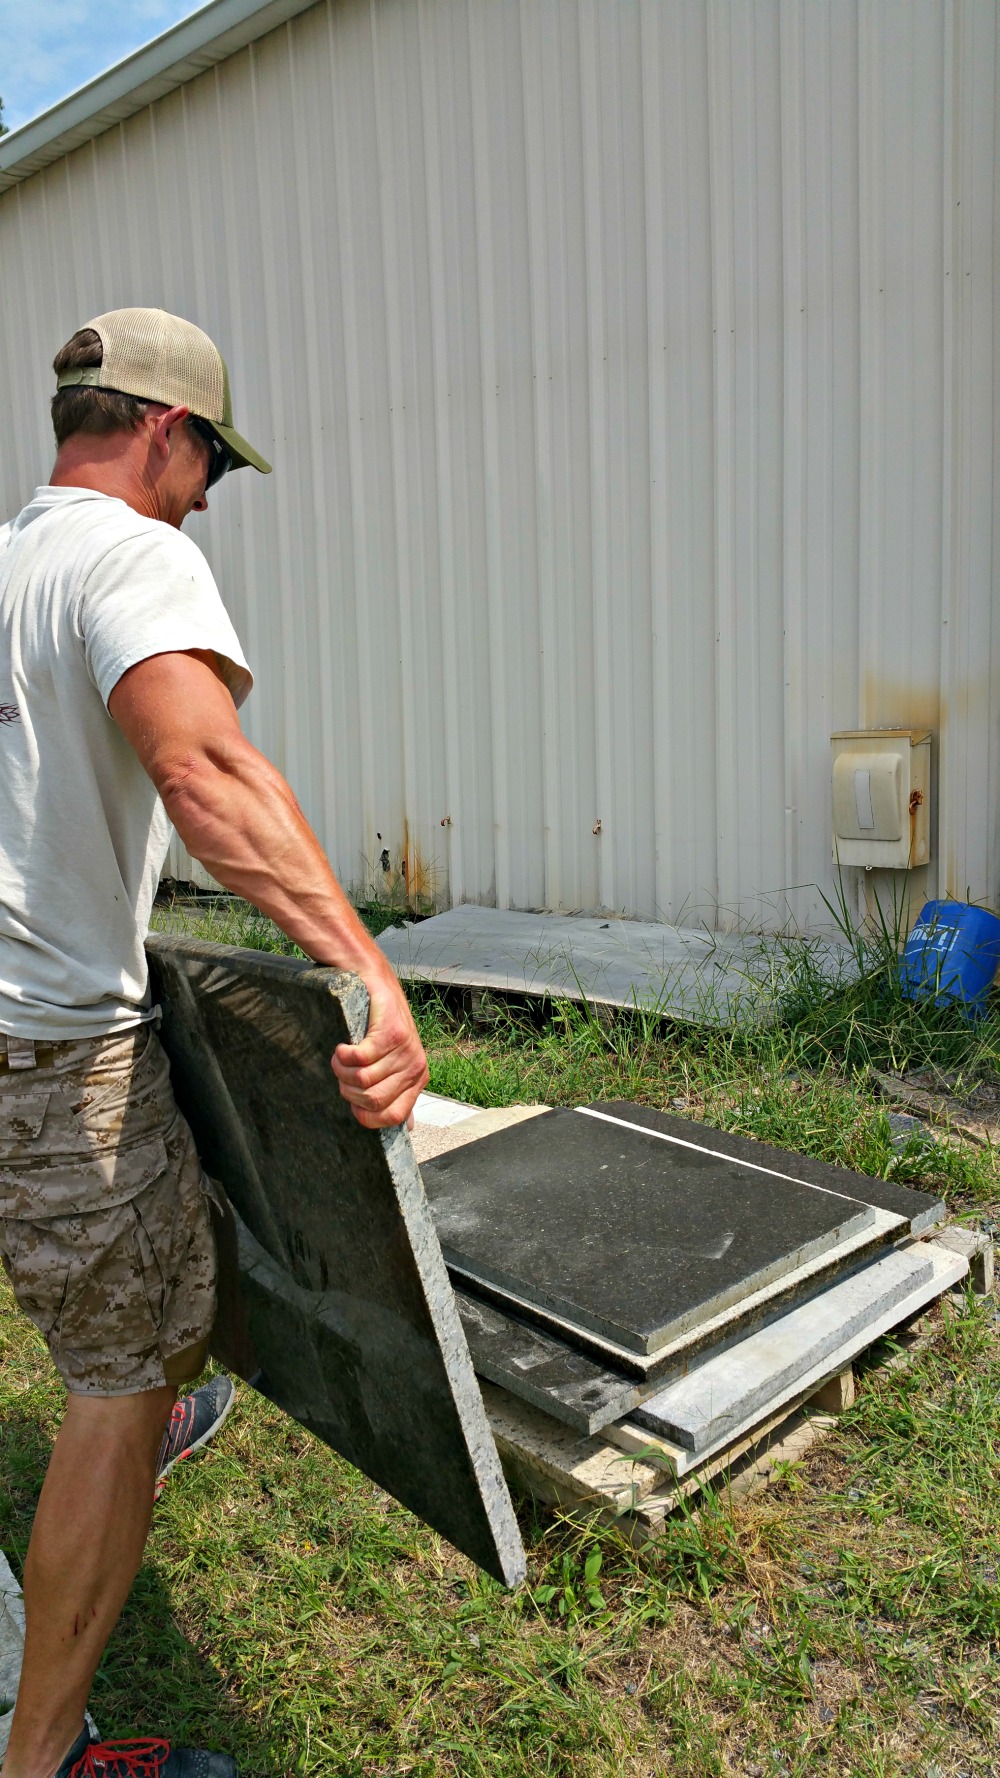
628	370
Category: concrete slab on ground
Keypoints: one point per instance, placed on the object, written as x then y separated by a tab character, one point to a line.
680	971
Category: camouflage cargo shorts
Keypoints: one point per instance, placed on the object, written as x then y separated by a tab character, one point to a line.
105	1224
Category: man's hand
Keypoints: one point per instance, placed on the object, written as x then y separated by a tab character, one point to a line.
381	1076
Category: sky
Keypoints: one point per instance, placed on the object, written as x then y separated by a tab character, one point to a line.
48	48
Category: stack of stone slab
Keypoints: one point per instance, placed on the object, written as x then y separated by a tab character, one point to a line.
635	1276
621	1275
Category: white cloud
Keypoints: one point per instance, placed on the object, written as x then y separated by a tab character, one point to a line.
48	48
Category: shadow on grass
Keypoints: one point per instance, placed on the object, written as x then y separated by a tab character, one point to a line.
152	1680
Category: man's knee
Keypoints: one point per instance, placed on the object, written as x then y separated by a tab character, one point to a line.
183	1367
112	1422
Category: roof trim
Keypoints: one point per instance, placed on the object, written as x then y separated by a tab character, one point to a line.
218	30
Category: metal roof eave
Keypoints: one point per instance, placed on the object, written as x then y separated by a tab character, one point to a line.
210	35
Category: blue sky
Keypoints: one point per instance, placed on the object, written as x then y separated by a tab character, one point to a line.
50	47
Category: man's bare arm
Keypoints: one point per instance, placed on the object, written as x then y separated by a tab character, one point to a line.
236	814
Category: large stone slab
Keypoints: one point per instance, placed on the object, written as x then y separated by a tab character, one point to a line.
727	1390
587	1383
720	1330
919	1210
680	971
334	1298
615	1231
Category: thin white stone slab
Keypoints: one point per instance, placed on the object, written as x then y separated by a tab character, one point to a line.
430	1140
699	1409
947	1269
706	977
434	1109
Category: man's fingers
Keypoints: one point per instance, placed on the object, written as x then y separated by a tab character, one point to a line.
388	1120
382	1076
390	1028
402	1068
380	1098
370	1050
364	1075
396	1109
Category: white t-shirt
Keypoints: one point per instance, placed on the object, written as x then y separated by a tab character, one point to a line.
87	589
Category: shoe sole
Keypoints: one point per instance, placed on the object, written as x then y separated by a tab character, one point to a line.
191	1451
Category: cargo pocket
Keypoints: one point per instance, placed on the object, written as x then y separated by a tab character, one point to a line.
22	1114
130	1171
38	1268
46	1168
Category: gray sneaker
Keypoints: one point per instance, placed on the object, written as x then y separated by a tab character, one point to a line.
196	1419
142	1759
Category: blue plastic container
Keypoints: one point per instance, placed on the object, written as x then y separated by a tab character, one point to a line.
952	954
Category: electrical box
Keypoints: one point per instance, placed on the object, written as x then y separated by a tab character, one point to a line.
881	798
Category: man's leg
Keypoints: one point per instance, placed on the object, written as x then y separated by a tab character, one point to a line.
125	1297
89	1533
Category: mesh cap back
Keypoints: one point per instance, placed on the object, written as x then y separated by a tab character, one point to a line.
161	357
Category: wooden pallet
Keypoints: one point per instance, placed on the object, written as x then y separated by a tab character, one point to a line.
594	1478
628	1477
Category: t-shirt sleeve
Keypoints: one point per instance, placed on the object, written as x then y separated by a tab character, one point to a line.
154	593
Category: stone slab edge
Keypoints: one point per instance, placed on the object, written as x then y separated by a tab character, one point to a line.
948	1269
699	1409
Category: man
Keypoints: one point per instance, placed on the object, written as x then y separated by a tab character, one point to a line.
120	677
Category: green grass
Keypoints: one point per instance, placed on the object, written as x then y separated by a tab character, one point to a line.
845	1622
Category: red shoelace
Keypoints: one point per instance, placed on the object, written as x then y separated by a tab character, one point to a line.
178	1418
122	1759
175	1430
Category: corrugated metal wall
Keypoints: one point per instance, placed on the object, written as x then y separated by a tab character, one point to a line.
628	369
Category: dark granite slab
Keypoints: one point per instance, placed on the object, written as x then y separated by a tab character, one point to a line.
615	1231
920	1209
538	1367
334	1298
500	1357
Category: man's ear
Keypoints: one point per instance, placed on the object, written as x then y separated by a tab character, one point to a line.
160	434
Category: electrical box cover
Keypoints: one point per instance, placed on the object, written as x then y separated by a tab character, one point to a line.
881	798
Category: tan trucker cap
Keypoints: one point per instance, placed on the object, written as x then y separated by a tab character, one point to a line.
161	357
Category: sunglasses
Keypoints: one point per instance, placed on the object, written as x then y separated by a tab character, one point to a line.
219	460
